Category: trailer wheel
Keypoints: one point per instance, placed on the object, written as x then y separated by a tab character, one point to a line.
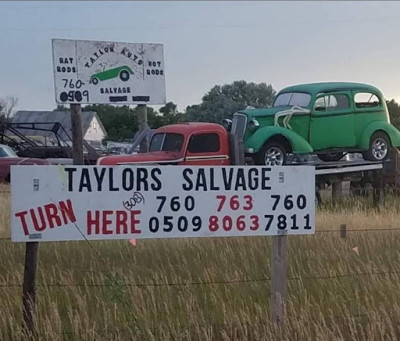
272	154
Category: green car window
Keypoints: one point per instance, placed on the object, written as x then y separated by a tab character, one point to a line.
366	100
292	98
332	102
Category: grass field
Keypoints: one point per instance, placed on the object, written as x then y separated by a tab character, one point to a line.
116	291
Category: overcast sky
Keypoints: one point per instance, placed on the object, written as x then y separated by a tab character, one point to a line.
209	43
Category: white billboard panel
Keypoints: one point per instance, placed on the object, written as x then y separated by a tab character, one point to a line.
55	203
108	72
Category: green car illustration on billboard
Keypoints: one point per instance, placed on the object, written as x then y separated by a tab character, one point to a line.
327	119
123	72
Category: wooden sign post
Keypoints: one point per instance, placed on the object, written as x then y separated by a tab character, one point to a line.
77	135
29	290
279	267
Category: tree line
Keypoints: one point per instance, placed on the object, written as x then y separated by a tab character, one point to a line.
220	102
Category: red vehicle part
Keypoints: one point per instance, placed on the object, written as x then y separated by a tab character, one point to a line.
191	143
8	158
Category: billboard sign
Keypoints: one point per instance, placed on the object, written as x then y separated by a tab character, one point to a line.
57	203
108	72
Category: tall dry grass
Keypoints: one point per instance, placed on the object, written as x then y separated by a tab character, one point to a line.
5	207
122	292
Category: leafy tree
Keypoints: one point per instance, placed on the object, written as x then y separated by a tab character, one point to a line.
223	101
394	112
61	107
168	109
170	114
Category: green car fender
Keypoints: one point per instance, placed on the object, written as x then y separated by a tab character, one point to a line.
386	127
262	135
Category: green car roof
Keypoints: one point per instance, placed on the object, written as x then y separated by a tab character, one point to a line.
315	88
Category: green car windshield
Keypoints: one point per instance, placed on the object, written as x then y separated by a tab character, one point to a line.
292	98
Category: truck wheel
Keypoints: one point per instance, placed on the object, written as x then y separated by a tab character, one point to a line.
271	154
8	179
378	147
330	156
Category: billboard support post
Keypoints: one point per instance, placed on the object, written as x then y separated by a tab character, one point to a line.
77	135
142	118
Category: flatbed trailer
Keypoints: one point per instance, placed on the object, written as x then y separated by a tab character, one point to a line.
356	172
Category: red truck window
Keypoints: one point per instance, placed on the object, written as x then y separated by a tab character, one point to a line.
167	142
204	143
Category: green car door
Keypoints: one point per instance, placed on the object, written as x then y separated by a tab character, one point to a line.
332	121
369	107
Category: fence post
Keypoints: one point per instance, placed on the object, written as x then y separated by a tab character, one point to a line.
343	231
29	290
279	266
337	189
377	185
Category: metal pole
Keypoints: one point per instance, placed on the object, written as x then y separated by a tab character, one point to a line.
279	266
29	290
142	118
77	135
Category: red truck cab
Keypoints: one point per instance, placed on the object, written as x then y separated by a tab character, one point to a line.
192	143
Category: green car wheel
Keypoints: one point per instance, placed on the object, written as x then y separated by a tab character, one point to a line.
378	148
272	154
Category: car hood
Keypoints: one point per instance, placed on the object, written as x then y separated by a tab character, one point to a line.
24	161
265	112
142	158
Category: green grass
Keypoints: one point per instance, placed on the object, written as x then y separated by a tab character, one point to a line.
106	304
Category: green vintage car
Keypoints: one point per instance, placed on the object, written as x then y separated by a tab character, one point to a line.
327	119
123	72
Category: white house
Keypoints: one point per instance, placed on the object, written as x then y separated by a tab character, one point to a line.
93	129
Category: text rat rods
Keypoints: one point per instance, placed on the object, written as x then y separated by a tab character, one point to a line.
55	203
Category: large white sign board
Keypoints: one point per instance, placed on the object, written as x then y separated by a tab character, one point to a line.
108	72
54	203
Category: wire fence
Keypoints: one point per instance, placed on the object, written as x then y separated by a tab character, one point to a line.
389	229
200	283
121	283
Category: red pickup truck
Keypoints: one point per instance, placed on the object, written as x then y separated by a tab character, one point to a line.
191	143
